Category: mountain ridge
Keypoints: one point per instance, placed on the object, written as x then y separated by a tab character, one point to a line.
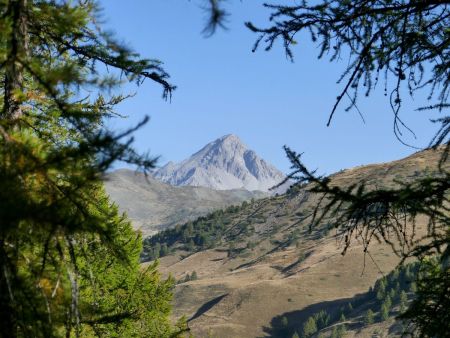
152	205
223	164
259	270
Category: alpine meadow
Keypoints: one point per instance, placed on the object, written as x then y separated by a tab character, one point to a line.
99	239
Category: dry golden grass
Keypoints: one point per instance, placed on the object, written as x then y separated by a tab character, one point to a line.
239	296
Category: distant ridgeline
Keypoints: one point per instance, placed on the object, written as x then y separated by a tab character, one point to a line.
388	298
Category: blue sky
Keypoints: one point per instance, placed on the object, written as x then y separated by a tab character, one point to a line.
262	97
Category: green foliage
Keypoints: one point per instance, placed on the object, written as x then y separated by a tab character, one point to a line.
310	327
193	276
322	319
399	279
201	234
405	43
190	246
349	307
384	312
380	294
301	257
69	261
339	331
123	300
369	319
251	245
295	335
403	301
284	321
388	302
432	299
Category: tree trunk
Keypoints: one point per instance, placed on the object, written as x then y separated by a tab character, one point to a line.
18	51
18	46
8	320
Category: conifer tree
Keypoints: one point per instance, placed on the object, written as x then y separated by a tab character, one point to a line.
341	331
116	298
384	312
334	333
403	301
310	327
432	300
403	45
338	331
350	307
322	319
68	260
194	275
369	319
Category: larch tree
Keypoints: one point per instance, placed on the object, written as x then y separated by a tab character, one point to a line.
69	262
404	46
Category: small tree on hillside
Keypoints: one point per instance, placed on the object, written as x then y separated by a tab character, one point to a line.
349	307
342	330
194	275
310	327
338	331
369	318
384	312
190	246
322	319
403	301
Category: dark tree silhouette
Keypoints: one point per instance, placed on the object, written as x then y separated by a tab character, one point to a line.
62	243
407	41
403	44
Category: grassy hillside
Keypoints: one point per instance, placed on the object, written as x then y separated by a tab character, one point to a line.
243	269
370	313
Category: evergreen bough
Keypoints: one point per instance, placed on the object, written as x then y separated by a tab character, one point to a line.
69	261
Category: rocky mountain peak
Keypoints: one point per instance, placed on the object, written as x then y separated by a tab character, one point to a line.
230	139
223	164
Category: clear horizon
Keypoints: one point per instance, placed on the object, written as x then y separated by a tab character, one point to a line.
266	100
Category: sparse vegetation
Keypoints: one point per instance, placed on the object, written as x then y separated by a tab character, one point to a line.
189	277
369	319
404	45
275	248
365	309
310	327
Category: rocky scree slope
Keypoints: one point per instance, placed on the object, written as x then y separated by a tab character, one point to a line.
223	164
